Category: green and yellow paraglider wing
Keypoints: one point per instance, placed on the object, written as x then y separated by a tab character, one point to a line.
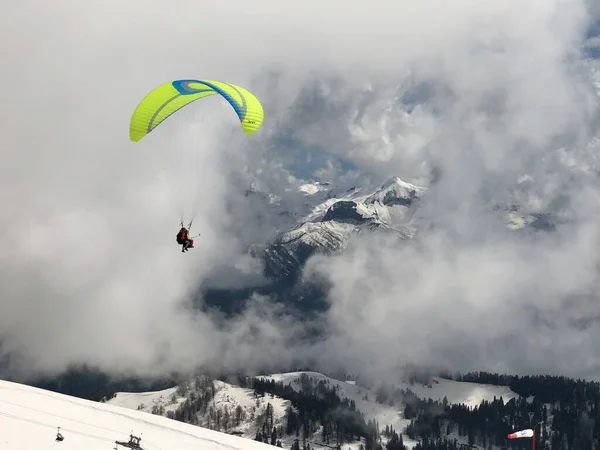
170	97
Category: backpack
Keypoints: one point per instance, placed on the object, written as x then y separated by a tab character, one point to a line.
181	236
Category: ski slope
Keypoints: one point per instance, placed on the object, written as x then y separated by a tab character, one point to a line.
457	392
145	401
29	418
227	398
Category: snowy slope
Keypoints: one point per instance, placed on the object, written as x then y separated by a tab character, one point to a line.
29	418
470	394
364	399
148	401
457	392
227	398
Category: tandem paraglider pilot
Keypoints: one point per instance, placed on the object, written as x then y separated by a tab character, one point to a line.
184	239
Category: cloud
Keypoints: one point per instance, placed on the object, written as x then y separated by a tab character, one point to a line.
509	305
510	117
92	273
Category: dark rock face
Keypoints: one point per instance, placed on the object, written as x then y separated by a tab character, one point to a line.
345	212
391	199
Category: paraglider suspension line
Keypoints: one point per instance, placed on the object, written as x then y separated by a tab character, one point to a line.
189	227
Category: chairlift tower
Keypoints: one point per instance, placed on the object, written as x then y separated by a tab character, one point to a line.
134	442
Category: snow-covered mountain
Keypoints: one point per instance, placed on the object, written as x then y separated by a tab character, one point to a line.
336	216
30	418
237	410
311	218
329	218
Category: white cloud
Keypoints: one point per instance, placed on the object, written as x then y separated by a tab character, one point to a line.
92	272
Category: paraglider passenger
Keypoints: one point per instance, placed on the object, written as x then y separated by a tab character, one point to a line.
184	239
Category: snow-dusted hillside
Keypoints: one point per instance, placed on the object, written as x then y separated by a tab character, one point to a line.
229	398
153	402
458	392
470	394
30	417
238	410
229	401
363	398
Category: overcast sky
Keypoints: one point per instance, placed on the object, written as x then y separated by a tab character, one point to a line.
91	272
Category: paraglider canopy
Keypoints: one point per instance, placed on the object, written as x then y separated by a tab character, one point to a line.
166	100
170	97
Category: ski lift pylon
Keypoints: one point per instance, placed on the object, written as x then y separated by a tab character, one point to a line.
134	442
